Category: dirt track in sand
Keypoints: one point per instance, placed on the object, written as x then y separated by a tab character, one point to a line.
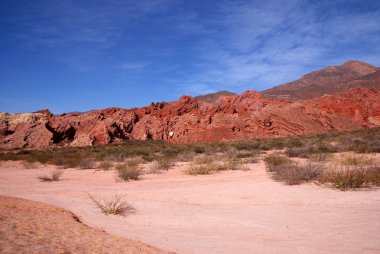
228	212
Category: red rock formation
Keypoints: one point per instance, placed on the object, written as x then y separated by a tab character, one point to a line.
189	120
358	103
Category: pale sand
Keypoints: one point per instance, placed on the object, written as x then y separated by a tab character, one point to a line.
227	212
32	227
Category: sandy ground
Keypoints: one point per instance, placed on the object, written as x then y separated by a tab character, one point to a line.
227	212
33	227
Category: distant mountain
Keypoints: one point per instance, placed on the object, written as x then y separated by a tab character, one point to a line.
329	80
213	98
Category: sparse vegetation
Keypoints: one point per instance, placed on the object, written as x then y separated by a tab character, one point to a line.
162	163
87	164
285	170
274	162
126	172
154	168
302	152
186	156
360	141
319	157
348	171
28	164
53	177
134	161
205	159
347	178
202	169
115	205
106	165
294	173
352	171
354	160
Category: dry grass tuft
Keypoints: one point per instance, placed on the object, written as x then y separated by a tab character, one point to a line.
134	161
294	173
106	165
320	157
28	165
186	156
354	160
352	177
115	205
345	179
164	163
202	169
87	164
126	172
205	159
273	162
285	170
301	152
53	177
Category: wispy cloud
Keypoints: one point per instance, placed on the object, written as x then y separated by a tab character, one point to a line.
271	42
82	33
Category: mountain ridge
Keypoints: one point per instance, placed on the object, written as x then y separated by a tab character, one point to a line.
190	120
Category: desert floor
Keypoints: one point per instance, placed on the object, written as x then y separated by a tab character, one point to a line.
33	227
227	212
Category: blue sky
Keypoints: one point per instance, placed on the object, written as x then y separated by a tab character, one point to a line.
78	55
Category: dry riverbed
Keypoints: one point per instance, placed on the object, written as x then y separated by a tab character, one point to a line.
228	212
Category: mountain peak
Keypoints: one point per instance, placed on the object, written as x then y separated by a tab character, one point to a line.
329	80
362	68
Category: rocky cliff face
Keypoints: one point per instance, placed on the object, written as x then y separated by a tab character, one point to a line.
188	120
329	80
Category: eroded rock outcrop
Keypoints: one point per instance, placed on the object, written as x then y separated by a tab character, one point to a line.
189	120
